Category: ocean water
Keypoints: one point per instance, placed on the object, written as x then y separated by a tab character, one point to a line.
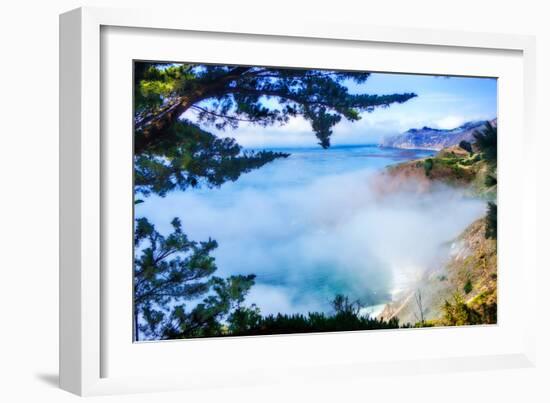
312	226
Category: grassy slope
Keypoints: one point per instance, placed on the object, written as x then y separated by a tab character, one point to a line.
467	278
451	166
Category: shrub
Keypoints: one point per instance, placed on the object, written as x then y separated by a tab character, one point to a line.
486	141
457	313
466	145
491	221
345	317
468	287
428	166
485	305
490	180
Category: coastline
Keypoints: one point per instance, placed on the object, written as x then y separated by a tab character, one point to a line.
467	272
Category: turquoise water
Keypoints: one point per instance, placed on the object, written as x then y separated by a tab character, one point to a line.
311	226
305	165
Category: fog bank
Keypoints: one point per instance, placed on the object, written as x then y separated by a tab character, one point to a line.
310	227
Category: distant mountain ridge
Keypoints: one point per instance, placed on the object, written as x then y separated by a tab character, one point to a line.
428	138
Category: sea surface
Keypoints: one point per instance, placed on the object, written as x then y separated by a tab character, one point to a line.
311	226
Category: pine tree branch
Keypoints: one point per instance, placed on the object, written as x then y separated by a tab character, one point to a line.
229	117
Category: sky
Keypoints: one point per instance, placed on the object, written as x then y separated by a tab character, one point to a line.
442	102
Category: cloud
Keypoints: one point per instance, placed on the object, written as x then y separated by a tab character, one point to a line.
445	110
449	122
297	132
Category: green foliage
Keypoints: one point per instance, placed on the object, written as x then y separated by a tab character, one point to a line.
244	320
457	313
342	305
224	96
426	323
171	270
468	287
486	306
486	141
491	221
490	180
467	162
188	156
346	317
154	83
428	166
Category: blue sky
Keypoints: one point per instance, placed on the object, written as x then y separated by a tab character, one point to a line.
442	102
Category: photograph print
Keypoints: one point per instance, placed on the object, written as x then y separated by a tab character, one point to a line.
276	200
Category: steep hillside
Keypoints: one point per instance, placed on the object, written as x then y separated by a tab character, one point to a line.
428	138
460	290
451	166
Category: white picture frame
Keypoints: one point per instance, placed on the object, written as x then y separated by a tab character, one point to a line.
85	345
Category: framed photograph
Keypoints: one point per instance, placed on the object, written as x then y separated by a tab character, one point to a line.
244	203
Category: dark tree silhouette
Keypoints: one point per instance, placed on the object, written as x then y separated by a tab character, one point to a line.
345	316
191	157
466	145
491	221
486	141
170	271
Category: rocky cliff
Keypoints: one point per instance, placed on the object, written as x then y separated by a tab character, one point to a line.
461	288
428	138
